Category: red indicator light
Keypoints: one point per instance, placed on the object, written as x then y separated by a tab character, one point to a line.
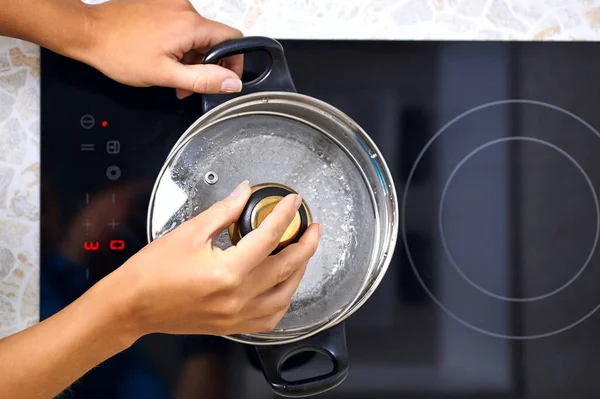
104	123
117	245
91	246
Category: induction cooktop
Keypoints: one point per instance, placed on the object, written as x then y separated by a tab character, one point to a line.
493	288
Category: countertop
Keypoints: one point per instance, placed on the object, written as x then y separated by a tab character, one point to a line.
564	20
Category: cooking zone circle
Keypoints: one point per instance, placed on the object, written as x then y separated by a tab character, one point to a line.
477	306
449	252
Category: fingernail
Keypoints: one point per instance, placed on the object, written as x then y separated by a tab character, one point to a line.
297	201
182	94
239	190
231	85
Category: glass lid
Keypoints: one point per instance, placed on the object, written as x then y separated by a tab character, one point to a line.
274	149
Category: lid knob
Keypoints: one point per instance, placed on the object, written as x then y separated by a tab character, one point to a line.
262	201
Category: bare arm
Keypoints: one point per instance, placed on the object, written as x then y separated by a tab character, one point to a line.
43	360
59	25
204	290
135	42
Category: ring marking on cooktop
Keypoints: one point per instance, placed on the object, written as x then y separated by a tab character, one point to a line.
405	238
443	236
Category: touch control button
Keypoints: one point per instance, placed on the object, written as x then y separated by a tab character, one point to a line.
87	121
113	172
113	147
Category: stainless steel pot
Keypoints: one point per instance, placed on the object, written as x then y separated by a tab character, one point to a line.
283	141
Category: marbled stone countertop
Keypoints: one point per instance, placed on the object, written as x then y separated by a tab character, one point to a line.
310	19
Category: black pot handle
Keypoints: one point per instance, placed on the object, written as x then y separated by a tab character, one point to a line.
331	342
275	78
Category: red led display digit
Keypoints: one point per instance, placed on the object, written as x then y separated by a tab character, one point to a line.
117	245
91	245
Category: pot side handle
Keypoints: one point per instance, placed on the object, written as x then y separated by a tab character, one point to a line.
276	77
331	342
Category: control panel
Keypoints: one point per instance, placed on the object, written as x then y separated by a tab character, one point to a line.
103	145
105	209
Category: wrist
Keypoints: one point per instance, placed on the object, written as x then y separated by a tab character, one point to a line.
77	40
60	26
113	304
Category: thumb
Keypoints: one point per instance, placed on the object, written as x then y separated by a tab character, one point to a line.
223	213
199	78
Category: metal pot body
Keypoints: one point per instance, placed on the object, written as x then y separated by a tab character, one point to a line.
273	96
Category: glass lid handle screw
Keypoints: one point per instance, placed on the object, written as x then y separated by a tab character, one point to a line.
211	178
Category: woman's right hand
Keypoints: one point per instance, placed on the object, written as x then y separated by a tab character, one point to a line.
182	284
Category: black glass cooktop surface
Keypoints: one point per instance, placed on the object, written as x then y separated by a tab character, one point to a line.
493	290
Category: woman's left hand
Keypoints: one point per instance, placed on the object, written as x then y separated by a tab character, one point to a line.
159	43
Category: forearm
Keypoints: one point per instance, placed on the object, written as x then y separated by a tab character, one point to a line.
43	360
59	25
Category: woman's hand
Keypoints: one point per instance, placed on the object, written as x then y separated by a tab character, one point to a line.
159	43
182	284
178	284
135	42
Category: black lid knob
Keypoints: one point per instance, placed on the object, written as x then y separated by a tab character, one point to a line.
262	201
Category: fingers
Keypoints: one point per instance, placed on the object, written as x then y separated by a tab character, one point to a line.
278	298
181	93
222	214
210	33
267	310
259	243
235	63
278	268
259	325
190	58
201	78
194	57
262	324
190	76
284	273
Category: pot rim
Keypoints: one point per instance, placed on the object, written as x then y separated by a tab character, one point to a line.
381	259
